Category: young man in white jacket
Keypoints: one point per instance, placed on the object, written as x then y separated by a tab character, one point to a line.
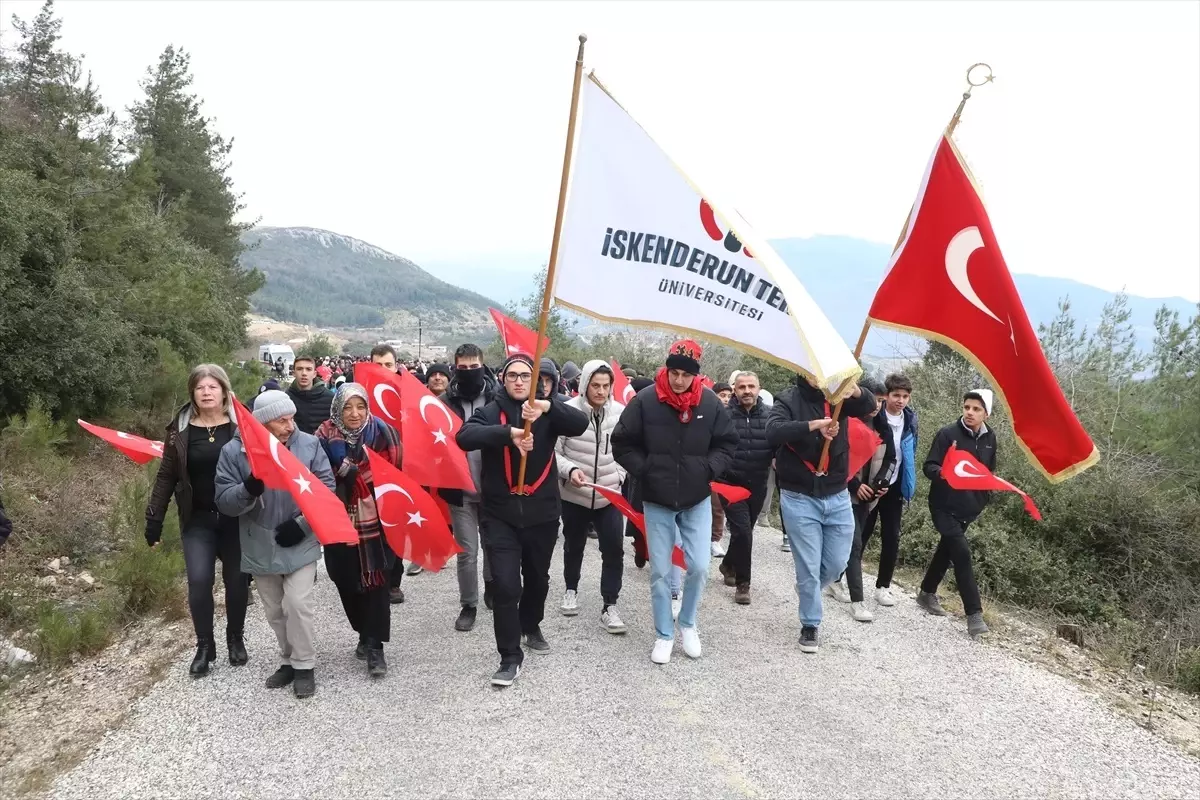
589	459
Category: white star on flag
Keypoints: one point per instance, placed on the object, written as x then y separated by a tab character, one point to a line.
157	446
305	485
415	518
439	436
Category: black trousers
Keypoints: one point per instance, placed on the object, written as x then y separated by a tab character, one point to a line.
520	559
953	548
742	517
210	537
397	574
607	521
854	565
368	610
888	511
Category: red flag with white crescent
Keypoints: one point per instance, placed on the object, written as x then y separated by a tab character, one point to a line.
638	519
412	522
274	465
138	448
622	390
516	337
928	291
432	456
962	470
383	393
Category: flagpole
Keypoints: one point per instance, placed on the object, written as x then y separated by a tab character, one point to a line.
862	337
548	290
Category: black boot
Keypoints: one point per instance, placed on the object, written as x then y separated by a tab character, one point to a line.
237	649
360	652
206	653
466	619
376	664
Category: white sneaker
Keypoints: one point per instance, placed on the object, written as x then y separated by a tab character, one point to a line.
570	603
414	569
611	621
717	550
838	591
860	612
884	597
691	642
676	604
661	653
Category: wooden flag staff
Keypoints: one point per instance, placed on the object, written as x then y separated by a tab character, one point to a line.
548	289
862	337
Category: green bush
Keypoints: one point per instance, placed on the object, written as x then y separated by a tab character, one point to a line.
1189	671
62	633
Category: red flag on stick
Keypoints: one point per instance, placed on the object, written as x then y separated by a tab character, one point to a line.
432	456
276	467
638	519
383	388
962	470
412	522
928	291
622	390
139	449
516	337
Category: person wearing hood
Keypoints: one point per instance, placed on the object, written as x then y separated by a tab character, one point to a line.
675	438
548	379
815	505
311	396
471	388
585	459
187	472
520	523
361	572
278	545
571	378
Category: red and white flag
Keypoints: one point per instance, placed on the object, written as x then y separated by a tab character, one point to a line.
138	448
732	494
383	390
928	291
962	470
638	519
412	521
516	337
277	468
622	390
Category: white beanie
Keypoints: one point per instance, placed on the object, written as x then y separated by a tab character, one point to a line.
273	404
985	395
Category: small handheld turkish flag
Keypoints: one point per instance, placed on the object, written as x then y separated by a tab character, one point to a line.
432	456
277	468
622	390
732	494
638	519
962	470
863	442
383	388
412	522
140	449
516	337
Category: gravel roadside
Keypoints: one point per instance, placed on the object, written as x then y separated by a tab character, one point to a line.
906	706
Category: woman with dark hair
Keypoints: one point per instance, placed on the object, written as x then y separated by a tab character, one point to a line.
188	468
361	572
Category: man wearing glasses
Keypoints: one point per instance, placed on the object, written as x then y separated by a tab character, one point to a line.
519	522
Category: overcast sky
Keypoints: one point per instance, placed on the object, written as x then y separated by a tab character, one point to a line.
436	130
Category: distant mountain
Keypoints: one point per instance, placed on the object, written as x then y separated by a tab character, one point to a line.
316	277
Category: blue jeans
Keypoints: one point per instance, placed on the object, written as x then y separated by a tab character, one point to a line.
694	527
821	532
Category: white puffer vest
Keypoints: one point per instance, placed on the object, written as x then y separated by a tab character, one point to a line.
591	452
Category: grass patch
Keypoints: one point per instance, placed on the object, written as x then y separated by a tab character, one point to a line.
62	634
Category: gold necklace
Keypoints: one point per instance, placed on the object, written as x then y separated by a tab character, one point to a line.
210	432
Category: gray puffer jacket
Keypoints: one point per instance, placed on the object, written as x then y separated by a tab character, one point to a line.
259	516
591	452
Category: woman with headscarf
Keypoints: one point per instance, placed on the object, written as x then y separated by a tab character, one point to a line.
361	571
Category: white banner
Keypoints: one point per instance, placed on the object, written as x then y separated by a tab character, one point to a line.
641	245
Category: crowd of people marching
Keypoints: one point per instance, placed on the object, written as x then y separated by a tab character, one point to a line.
662	451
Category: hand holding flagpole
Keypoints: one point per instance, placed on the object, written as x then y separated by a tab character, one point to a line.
548	289
823	465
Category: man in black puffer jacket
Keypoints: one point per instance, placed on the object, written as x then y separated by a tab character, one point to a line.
519	529
311	397
815	505
749	469
675	438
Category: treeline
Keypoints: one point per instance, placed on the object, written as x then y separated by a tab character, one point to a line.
118	245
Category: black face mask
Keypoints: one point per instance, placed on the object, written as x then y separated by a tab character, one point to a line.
470	382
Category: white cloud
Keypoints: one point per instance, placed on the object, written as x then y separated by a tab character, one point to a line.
436	130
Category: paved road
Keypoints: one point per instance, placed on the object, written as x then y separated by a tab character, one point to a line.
904	707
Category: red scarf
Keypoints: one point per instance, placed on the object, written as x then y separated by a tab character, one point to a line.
683	403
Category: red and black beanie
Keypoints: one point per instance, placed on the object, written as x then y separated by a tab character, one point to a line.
685	355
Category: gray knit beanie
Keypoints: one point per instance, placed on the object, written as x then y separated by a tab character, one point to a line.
273	404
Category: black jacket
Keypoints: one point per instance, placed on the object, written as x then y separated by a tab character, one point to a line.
962	504
5	524
672	461
787	429
879	424
489	431
751	461
312	405
453	398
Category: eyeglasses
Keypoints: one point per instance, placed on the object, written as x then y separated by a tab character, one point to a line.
518	377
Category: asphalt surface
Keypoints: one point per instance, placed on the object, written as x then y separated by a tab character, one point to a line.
906	706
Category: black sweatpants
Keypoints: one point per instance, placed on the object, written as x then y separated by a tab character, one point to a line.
742	517
607	520
888	511
953	548
520	559
210	537
854	565
368	610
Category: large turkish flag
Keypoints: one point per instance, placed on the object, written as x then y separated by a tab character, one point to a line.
929	291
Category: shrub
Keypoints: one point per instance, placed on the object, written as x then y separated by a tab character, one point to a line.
61	633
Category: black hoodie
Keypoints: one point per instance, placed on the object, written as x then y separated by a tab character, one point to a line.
312	405
458	403
798	447
489	431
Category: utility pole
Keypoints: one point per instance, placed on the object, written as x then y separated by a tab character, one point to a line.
418	338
